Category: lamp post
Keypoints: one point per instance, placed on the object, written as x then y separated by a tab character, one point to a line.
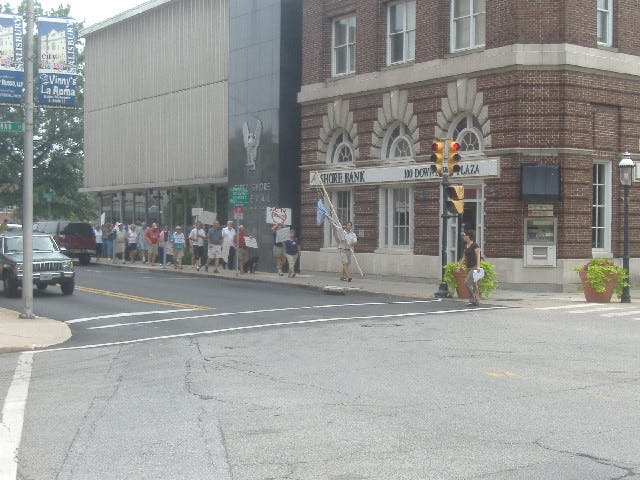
626	166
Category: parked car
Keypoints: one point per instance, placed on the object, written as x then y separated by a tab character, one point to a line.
50	265
76	239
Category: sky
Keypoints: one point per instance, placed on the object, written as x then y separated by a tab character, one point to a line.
89	11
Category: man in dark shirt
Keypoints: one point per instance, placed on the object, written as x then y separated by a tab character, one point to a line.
214	250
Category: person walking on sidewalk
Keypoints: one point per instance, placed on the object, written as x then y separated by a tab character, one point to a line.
347	240
292	251
471	258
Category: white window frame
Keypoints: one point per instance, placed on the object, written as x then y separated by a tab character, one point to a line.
349	47
333	148
388	144
329	237
387	201
606	11
604	186
474	19
473	129
408	34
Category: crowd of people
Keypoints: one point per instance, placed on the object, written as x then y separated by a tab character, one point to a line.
216	247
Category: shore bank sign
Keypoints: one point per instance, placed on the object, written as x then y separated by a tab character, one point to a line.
57	74
11	59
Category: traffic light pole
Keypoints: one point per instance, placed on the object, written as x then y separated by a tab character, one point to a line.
443	291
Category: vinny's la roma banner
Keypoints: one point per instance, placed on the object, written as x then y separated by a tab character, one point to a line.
57	74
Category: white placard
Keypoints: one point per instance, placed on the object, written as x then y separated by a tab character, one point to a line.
282	234
196	212
278	215
251	242
208	218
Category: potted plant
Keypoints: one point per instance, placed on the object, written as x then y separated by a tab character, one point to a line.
455	280
601	278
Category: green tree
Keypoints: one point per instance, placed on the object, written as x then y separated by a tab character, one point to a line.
58	150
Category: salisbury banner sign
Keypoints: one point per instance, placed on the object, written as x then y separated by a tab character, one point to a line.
11	59
57	77
489	167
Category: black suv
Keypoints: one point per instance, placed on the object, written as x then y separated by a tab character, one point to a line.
76	239
50	266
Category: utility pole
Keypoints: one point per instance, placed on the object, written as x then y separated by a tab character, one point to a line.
27	179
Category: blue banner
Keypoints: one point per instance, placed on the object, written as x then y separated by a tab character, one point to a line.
57	75
11	59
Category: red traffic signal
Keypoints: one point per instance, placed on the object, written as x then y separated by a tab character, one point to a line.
437	157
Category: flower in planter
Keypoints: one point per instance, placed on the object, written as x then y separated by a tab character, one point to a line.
598	271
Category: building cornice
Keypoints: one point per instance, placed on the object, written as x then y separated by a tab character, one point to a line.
156	185
563	56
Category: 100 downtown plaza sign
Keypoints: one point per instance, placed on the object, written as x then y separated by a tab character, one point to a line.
489	167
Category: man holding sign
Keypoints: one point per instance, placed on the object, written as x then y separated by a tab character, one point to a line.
279	237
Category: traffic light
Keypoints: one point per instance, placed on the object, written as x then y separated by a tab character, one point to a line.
455	199
437	157
453	160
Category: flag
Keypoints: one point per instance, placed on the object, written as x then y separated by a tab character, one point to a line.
321	212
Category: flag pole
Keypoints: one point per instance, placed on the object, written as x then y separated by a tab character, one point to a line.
336	221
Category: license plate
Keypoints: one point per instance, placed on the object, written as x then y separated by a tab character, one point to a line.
46	276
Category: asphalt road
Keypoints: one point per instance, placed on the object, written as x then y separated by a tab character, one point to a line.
375	390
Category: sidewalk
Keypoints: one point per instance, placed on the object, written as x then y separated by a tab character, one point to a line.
17	334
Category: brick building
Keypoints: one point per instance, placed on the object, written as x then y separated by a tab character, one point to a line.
543	97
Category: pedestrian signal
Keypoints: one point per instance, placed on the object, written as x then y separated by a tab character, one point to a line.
455	199
437	157
453	157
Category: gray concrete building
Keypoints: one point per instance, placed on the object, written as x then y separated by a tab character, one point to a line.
186	98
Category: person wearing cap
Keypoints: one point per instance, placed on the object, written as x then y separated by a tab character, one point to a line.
120	240
178	240
152	235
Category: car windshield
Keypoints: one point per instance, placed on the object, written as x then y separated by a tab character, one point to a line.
40	244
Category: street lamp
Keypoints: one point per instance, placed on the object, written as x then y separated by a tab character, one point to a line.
626	166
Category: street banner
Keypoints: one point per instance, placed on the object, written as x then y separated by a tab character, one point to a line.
57	74
11	59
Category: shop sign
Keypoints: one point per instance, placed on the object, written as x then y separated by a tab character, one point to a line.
539	210
405	173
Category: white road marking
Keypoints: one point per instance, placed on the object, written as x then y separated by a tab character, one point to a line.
128	314
251	312
266	325
621	314
13	417
600	309
560	307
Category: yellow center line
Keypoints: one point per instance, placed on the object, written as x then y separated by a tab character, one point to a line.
135	298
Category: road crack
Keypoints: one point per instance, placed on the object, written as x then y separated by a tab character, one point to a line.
630	470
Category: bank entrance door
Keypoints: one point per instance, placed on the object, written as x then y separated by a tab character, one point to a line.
472	218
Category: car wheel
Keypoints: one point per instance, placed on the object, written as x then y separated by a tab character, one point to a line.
67	286
41	286
85	259
10	287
